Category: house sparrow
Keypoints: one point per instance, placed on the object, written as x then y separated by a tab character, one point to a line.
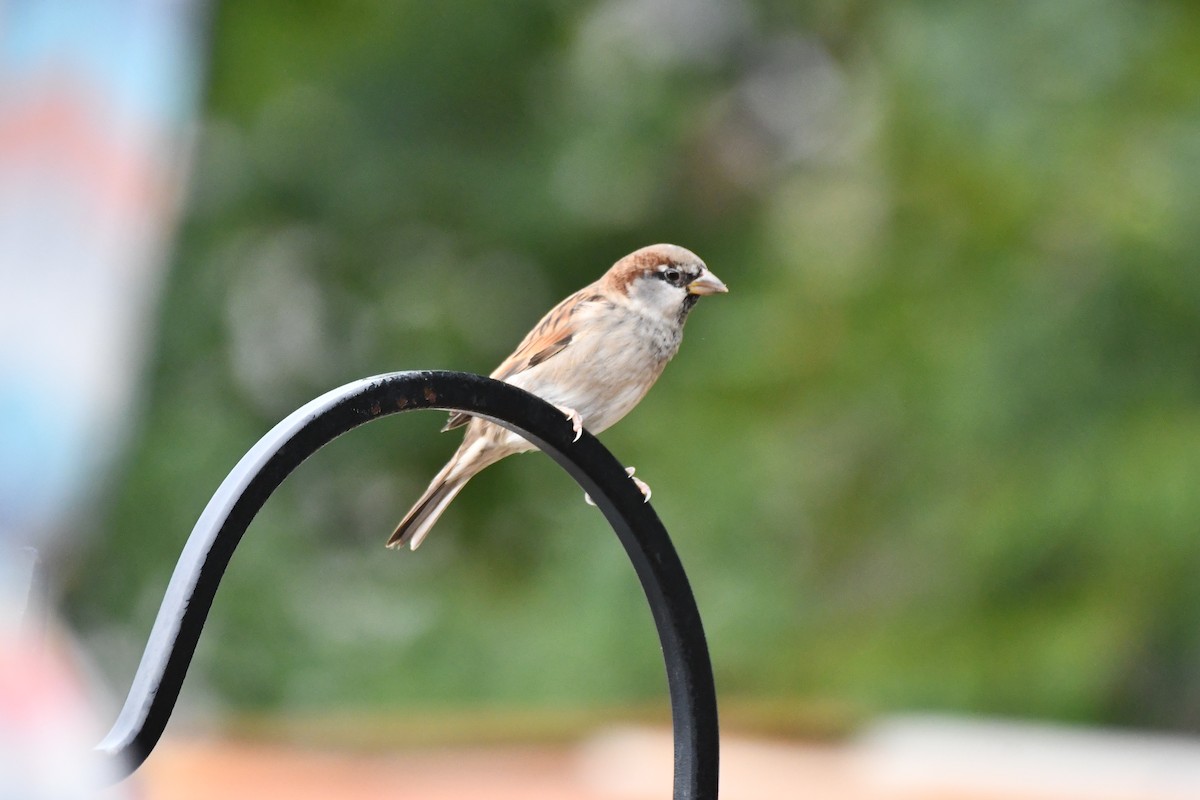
594	356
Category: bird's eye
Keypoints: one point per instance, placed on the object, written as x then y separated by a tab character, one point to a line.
672	275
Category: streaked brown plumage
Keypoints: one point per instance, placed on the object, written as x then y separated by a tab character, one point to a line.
594	355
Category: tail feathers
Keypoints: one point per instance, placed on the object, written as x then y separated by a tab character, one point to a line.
416	524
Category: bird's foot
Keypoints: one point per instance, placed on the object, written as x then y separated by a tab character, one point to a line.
642	486
576	421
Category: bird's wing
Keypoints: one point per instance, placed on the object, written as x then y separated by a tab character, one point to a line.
547	339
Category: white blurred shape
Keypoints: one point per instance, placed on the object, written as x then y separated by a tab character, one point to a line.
661	34
277	319
931	756
798	94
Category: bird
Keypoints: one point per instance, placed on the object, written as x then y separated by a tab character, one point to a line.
593	356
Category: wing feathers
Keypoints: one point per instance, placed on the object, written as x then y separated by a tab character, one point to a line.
547	339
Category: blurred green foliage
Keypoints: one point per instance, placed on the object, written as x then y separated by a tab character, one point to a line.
938	448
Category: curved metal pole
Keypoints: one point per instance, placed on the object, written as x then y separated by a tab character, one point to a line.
190	592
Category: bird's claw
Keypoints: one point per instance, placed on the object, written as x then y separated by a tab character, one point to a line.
576	421
642	486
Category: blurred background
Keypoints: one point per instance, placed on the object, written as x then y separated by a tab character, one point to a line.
936	451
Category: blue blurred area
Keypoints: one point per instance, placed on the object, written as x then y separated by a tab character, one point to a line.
40	462
96	100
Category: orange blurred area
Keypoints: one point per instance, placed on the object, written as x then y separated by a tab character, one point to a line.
901	759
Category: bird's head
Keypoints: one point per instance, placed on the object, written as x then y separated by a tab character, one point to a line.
663	278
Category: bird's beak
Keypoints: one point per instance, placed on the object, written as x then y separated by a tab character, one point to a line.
707	284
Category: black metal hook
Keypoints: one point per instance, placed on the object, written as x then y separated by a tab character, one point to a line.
211	544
